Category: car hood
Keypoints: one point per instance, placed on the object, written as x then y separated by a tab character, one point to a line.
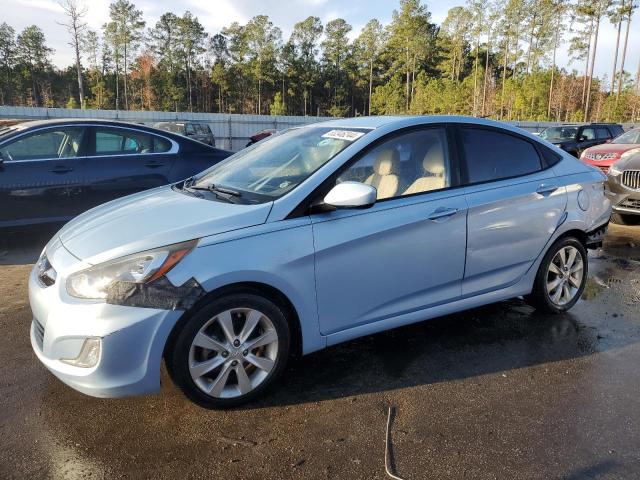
618	148
630	163
152	219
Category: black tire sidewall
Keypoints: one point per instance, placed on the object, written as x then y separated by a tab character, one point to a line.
541	297
179	356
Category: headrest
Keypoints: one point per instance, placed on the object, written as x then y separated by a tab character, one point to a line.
387	162
434	160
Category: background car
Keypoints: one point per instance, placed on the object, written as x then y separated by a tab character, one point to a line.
623	188
197	131
574	139
605	155
262	134
52	170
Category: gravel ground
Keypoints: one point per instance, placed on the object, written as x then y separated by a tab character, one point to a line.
496	392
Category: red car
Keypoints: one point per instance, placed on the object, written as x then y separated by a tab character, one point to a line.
605	155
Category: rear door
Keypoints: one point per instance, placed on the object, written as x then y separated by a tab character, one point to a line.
41	175
122	161
515	205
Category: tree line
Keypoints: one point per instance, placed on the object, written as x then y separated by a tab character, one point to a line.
494	58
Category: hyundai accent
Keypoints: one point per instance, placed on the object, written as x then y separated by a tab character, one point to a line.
313	237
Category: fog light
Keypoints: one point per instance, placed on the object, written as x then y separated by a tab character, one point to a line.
89	354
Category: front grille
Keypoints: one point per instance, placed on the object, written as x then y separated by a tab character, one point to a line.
600	156
39	332
631	203
631	179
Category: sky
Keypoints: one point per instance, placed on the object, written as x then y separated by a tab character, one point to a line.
215	14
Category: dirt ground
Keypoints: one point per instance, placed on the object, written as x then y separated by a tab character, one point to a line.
496	392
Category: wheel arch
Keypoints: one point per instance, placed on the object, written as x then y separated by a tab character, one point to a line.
262	289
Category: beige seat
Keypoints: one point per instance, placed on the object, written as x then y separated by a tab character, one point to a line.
434	170
385	173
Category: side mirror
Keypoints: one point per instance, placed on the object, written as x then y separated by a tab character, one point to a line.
608	140
582	138
351	195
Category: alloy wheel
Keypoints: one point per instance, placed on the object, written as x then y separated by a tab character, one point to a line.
233	353
565	275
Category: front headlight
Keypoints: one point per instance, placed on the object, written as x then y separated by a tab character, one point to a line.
94	282
629	153
614	170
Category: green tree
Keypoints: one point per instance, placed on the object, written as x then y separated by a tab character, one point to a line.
369	46
264	41
335	50
7	61
191	41
124	31
34	57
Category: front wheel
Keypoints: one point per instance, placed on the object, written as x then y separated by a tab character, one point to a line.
561	277
230	350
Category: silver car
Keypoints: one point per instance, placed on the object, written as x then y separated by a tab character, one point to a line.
319	235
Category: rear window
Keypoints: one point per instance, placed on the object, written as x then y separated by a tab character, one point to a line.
491	155
112	141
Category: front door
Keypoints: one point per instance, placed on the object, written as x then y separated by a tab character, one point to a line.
403	254
40	176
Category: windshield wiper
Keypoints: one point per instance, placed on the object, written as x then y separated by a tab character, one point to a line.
214	189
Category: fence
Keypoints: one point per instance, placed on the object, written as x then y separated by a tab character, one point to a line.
232	131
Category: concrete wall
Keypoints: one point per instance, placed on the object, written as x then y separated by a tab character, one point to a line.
232	131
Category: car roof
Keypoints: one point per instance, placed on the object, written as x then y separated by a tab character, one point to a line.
31	124
400	121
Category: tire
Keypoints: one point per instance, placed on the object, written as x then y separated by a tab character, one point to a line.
545	299
621	219
203	342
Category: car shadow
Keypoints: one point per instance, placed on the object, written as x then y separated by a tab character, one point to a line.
495	338
23	247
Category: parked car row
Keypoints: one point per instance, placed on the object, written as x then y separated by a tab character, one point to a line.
616	153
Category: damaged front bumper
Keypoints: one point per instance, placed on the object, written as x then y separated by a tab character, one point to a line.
127	341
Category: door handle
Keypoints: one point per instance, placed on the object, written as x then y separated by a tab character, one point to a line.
61	169
442	212
153	165
546	188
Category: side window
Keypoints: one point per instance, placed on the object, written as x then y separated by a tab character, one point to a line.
602	133
491	155
113	141
54	143
406	164
588	133
189	129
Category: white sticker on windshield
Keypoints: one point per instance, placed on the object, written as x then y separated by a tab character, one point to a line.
348	135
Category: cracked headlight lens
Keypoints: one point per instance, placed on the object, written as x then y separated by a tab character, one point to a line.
143	267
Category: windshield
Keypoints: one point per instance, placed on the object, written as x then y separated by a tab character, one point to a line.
629	138
559	133
275	166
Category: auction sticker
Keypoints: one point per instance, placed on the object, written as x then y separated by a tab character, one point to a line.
348	135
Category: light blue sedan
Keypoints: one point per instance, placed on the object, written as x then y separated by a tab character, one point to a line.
322	234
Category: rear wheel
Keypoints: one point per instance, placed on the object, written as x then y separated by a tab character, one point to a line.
621	219
230	351
561	277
